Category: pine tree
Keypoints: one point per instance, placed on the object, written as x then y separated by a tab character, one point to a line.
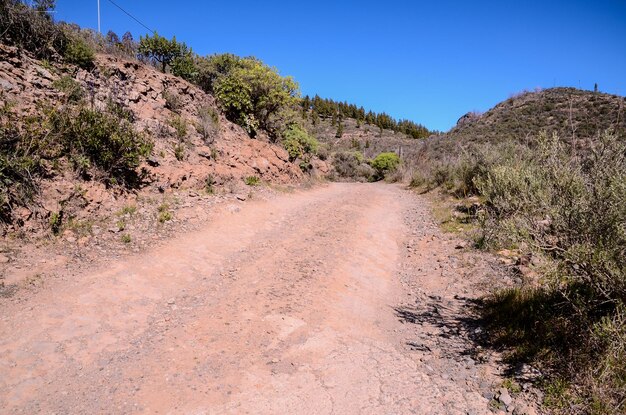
315	118
339	130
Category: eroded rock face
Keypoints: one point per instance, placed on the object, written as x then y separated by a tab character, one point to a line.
219	151
468	118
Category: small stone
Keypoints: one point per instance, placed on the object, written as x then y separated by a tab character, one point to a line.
241	197
171	301
505	398
524	410
3	259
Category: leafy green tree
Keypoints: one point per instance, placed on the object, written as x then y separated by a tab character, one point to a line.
253	95
185	66
161	50
211	68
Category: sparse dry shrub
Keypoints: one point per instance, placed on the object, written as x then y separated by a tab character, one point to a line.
73	91
209	124
351	165
173	101
19	165
24	27
569	208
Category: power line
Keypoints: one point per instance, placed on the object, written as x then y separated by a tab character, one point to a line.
131	16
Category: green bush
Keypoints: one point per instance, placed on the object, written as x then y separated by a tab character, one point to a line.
94	138
70	87
299	143
79	53
385	163
252	180
179	125
253	95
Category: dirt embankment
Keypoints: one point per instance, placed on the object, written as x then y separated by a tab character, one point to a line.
193	143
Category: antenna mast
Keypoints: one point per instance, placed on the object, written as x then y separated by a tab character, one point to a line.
99	31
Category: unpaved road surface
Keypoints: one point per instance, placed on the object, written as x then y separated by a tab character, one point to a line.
344	299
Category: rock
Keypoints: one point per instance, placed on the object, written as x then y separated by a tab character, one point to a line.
505	398
468	118
488	395
242	197
524	409
6	85
3	259
153	162
171	301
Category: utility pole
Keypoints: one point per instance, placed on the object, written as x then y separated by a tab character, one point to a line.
99	31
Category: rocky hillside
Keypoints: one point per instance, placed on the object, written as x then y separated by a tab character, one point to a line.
194	147
369	139
567	111
366	141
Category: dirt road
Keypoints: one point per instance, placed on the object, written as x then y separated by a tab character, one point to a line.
305	304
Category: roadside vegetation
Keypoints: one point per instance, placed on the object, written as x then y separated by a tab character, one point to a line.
556	205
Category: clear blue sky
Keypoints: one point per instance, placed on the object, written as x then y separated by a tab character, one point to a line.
430	62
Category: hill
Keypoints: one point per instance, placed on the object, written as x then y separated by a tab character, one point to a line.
566	111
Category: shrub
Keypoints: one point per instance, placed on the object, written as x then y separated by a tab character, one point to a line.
184	66
179	125
173	102
70	87
95	138
209	184
179	151
79	53
252	180
299	144
20	163
164	214
209	124
385	163
55	222
349	164
27	28
568	209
